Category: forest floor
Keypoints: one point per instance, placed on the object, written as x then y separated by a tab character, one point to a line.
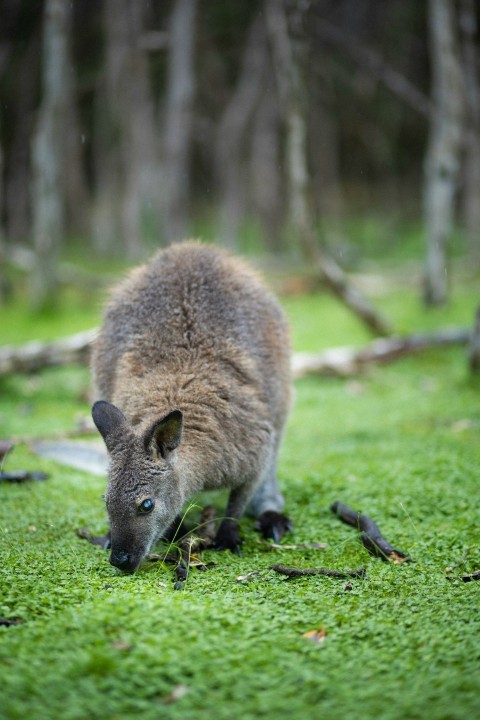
401	443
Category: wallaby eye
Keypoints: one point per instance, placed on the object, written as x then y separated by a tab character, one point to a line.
146	506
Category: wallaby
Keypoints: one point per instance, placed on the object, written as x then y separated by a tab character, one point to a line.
192	370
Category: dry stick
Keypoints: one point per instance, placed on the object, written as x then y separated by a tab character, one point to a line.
371	537
302	572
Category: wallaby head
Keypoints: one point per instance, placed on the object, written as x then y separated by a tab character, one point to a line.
142	496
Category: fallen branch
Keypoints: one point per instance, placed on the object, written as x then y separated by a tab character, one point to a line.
371	537
341	362
303	572
344	362
35	355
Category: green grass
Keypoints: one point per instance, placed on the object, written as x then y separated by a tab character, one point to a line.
401	443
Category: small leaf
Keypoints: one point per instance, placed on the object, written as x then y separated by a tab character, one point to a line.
122	645
177	693
316	636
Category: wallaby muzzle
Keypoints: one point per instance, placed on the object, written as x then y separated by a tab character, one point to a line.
125	561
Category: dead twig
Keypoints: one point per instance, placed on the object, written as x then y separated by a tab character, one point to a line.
304	546
102	540
371	537
6	622
472	576
303	572
20	476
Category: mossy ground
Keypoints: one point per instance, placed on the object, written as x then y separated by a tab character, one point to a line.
402	444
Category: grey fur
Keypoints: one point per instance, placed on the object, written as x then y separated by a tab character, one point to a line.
193	331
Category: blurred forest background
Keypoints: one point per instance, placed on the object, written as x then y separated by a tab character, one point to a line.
323	131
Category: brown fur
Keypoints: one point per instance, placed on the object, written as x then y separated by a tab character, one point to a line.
196	331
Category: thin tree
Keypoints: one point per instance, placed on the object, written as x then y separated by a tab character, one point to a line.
443	158
3	279
126	157
232	134
48	144
290	47
179	118
471	188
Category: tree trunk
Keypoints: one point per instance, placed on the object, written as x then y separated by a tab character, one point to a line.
125	138
231	138
471	189
77	201
3	279
265	179
48	146
18	152
442	164
290	50
179	118
326	160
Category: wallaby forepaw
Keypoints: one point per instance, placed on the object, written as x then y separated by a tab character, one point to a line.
273	525
228	537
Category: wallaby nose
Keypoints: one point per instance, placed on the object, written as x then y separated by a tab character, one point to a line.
120	559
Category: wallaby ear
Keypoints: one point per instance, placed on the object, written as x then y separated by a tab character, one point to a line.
110	421
165	434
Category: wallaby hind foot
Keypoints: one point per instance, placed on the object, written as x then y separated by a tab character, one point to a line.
273	525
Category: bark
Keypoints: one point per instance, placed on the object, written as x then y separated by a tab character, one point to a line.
291	57
48	147
442	164
232	132
179	118
471	189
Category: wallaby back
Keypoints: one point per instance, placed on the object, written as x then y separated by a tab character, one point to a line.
194	330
